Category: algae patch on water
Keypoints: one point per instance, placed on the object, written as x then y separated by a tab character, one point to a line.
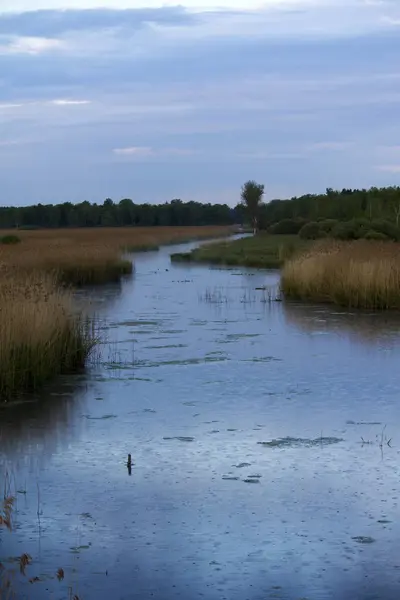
182	362
363	539
180	438
292	442
104	417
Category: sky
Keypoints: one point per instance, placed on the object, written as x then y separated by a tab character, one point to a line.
154	101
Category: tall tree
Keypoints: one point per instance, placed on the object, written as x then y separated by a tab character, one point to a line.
251	196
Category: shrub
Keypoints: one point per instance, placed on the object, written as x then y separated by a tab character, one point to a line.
287	227
361	228
375	235
349	230
327	225
386	228
10	239
311	231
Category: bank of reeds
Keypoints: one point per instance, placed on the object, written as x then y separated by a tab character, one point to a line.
41	333
93	255
359	274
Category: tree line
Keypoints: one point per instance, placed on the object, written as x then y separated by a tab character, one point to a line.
116	214
345	205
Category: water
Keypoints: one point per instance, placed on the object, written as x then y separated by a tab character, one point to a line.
244	419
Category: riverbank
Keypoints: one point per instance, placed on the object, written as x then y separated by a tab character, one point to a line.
42	333
263	251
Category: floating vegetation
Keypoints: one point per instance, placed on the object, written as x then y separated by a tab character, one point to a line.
180	362
384	521
363	539
138	323
77	549
239	336
363	423
292	442
263	359
180	438
100	418
166	347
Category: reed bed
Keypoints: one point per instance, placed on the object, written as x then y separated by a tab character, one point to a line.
41	333
357	274
90	256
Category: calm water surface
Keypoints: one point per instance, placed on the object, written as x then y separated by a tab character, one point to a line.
245	421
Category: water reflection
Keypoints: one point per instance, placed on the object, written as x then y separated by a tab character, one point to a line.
43	424
359	326
96	298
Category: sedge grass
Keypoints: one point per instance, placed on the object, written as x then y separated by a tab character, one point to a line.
358	274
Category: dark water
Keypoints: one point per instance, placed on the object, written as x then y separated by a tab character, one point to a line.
245	421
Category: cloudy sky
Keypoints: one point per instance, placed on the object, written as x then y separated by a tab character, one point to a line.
153	100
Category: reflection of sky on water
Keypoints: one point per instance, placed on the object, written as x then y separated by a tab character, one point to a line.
226	375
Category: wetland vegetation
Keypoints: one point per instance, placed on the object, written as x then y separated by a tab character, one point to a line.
42	332
355	274
262	251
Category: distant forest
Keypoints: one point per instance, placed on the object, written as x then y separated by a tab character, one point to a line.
115	214
344	205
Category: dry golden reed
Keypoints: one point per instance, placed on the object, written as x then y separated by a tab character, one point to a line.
40	335
86	256
361	274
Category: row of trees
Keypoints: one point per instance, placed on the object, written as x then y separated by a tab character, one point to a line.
111	214
344	205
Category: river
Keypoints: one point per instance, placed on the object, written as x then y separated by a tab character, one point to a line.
264	439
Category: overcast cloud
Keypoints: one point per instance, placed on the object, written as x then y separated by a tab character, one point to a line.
155	103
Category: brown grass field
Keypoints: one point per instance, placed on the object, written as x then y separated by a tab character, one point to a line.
360	274
41	332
